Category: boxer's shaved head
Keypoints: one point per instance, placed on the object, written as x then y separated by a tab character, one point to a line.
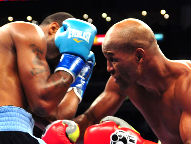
130	34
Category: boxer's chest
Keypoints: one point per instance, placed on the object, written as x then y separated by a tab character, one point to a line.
162	114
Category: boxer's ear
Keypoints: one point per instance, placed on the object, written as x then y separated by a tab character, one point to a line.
139	55
53	27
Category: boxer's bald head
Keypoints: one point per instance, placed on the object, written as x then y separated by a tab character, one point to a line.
130	34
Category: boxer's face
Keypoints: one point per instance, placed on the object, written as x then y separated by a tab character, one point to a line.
121	65
53	53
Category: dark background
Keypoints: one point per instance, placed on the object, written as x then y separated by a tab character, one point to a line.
175	45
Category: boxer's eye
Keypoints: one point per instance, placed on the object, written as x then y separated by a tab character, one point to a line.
111	59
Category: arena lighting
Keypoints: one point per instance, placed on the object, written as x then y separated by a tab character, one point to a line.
159	36
100	38
90	20
104	15
166	16
29	18
108	19
85	16
163	12
144	13
10	18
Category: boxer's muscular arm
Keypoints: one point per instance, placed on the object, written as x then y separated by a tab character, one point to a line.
43	91
185	127
184	92
67	107
105	104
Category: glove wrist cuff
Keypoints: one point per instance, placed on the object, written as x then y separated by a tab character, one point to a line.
77	91
71	64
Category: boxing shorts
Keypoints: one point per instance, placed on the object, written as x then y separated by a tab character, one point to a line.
16	126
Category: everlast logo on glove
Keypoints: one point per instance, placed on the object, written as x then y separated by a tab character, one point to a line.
79	34
122	137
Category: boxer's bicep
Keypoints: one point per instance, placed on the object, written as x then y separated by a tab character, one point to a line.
185	127
32	66
185	103
30	46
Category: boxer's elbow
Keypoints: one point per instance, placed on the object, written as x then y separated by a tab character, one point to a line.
41	108
42	103
66	113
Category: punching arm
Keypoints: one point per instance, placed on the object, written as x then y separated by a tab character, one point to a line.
105	104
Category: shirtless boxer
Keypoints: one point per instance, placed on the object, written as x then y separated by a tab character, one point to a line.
26	83
160	88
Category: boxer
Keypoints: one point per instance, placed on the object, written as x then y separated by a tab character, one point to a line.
26	82
160	88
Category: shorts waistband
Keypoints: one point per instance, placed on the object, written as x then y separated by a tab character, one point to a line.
14	118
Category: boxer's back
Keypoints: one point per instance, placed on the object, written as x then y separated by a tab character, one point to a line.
11	92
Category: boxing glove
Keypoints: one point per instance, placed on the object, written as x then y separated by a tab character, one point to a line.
81	82
118	121
61	132
74	41
109	132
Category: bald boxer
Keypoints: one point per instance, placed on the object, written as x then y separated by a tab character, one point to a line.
26	82
160	88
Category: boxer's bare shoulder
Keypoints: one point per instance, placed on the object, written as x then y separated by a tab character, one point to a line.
12	33
183	101
187	63
18	24
183	90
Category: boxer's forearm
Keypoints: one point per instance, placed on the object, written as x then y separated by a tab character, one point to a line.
67	108
83	120
105	104
49	93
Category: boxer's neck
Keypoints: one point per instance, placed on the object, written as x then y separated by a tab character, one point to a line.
156	76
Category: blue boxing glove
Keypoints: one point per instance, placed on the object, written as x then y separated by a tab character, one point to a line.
74	41
83	78
75	37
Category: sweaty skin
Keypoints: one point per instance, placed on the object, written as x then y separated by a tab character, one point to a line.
25	78
159	88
